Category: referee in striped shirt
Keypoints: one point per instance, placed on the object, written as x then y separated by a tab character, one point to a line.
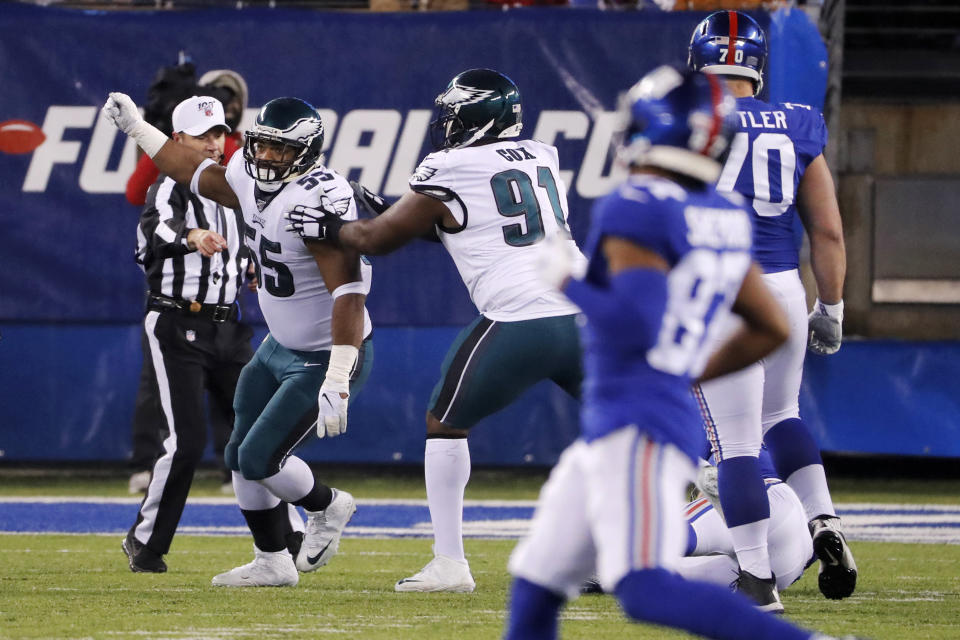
193	253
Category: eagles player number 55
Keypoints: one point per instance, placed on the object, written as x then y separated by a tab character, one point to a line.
318	352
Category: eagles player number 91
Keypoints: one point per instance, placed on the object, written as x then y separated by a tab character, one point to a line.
514	194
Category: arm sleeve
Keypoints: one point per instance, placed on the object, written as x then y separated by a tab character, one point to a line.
163	221
630	310
140	180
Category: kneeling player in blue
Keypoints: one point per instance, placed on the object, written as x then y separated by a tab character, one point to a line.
668	259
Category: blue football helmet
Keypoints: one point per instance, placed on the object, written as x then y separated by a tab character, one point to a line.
729	43
678	120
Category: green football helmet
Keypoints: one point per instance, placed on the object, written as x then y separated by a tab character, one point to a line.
293	128
478	104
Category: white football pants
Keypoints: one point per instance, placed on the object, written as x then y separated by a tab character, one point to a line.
610	507
742	406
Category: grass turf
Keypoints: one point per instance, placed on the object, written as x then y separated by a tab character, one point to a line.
79	586
60	586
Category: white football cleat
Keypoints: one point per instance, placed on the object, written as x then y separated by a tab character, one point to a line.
268	569
443	573
321	538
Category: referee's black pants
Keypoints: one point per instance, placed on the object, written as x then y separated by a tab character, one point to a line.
189	354
149	425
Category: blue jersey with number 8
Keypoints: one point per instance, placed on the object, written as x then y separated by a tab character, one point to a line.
705	239
768	157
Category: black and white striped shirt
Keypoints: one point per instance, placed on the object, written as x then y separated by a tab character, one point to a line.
172	269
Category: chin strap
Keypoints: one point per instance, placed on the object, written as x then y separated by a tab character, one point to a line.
482	131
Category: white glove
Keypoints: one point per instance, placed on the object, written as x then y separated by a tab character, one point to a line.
559	259
121	111
708	484
335	391
333	410
825	325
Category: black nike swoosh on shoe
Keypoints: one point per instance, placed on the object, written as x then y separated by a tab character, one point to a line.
316	558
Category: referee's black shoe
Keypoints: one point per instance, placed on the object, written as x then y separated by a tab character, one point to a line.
142	560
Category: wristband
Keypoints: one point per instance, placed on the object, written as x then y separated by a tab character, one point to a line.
195	179
343	357
148	137
834	311
351	287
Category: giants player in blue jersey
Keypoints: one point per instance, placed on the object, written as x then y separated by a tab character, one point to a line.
668	259
776	162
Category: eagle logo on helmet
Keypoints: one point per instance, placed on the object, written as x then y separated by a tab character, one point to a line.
305	130
458	96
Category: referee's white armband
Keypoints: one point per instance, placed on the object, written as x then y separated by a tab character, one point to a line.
351	287
195	180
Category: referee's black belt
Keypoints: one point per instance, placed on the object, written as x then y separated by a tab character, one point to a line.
214	312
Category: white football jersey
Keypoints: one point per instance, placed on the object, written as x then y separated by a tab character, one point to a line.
293	296
507	197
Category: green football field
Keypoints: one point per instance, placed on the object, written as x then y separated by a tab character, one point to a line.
79	586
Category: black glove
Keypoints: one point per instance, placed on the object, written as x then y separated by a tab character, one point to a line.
368	200
314	223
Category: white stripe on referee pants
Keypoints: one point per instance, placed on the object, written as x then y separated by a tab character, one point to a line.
161	469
